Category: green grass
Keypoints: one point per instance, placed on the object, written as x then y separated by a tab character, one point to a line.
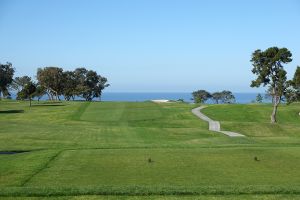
17	169
203	197
254	121
69	126
176	167
80	150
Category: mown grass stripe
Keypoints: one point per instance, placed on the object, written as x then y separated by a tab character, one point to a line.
77	115
41	168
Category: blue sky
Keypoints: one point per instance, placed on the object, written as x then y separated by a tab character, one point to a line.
149	45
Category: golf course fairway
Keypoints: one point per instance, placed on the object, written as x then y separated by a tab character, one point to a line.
146	150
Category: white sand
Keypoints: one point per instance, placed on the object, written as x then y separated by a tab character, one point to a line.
160	100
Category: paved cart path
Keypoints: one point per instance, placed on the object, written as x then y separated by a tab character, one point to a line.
213	125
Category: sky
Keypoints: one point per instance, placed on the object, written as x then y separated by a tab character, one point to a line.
150	45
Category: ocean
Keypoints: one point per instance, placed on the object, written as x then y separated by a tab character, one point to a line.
241	98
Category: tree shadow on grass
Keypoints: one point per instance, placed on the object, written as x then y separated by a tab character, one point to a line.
48	105
11	152
11	111
49	102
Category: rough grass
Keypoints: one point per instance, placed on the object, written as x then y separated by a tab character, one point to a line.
80	149
171	197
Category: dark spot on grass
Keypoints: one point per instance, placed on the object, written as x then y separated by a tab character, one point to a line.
256	158
150	160
48	105
11	111
49	102
11	152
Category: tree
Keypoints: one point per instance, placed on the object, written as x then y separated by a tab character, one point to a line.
80	74
51	78
268	66
216	96
69	85
296	79
296	83
27	92
40	92
269	94
200	96
259	98
6	78
227	97
293	90
20	82
102	84
180	100
90	84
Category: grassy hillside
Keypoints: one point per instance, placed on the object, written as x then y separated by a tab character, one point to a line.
74	125
254	120
106	148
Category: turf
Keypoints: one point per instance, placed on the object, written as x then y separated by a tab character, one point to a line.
204	197
176	167
80	150
254	120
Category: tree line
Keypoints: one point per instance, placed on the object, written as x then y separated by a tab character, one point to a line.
225	96
268	66
53	82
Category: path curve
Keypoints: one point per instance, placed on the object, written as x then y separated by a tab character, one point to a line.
213	125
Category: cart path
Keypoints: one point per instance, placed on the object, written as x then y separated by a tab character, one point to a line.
213	125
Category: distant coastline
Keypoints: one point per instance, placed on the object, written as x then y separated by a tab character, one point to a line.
186	96
242	98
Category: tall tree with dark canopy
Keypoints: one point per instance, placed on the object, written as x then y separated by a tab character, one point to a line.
293	91
27	92
216	96
19	82
227	97
102	84
90	84
40	92
268	66
296	78
70	83
51	78
200	96
296	83
6	78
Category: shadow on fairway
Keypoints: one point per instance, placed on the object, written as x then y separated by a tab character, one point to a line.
11	111
48	105
49	102
11	152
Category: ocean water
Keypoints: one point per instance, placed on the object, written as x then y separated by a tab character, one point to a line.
241	98
129	96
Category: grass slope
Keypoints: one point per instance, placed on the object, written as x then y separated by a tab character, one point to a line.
103	148
254	120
